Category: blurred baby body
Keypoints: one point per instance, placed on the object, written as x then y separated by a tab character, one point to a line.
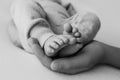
68	33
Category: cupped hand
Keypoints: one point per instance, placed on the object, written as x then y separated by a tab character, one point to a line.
85	59
92	54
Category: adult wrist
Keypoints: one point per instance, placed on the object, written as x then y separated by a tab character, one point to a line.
102	52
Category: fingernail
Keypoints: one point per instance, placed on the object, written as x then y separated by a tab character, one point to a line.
54	66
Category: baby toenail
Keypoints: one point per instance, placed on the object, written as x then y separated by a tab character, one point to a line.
78	34
61	42
56	46
52	50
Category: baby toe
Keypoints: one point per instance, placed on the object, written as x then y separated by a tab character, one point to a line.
67	28
77	34
64	39
50	51
59	41
72	41
74	30
54	45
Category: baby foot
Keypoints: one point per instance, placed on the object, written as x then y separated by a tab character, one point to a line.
73	31
74	45
54	44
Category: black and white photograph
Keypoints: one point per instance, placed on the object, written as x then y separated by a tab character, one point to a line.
59	40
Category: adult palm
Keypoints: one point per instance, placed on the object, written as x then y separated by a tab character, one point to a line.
85	59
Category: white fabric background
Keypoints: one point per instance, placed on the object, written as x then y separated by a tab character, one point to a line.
16	64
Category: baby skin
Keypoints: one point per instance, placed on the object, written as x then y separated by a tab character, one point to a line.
76	34
64	44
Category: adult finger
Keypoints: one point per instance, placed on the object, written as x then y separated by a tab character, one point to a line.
37	50
71	65
84	60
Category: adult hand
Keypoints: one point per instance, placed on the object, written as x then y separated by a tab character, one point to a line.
85	59
92	54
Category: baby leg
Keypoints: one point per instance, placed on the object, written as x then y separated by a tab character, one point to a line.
13	34
50	41
26	14
30	20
